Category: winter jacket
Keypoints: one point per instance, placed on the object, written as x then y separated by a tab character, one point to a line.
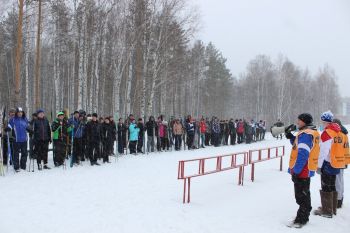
177	129
325	148
216	127
134	132
152	129
305	144
19	127
190	128
202	126
240	127
232	128
162	129
79	127
93	131
60	132
42	130
107	132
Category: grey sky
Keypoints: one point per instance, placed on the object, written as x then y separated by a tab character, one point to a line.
309	32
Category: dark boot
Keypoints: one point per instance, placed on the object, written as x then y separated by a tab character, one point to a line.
327	205
340	203
46	167
335	202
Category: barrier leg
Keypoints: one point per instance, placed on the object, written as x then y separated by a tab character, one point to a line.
252	175
240	175
189	190
184	195
281	164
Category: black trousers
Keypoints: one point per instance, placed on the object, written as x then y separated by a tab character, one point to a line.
132	147
20	147
41	149
303	199
233	138
328	183
78	150
94	150
190	138
60	152
140	143
207	139
240	137
120	145
178	141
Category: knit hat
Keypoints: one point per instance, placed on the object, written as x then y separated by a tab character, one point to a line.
327	117
306	118
40	111
60	114
94	115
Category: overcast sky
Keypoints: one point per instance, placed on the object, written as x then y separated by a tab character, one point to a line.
309	32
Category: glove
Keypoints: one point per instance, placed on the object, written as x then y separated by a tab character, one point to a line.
289	135
290	128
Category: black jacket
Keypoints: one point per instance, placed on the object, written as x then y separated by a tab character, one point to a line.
42	130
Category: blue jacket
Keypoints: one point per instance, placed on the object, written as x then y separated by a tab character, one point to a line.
79	127
305	144
134	132
19	128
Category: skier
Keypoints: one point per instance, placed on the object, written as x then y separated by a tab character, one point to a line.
151	131
133	137
178	131
77	122
202	130
60	129
232	132
19	126
93	137
114	133
7	137
208	132
107	139
240	131
190	130
121	130
41	139
302	165
141	126
215	132
339	181
330	161
31	131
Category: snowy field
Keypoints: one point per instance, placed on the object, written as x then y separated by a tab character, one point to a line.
141	194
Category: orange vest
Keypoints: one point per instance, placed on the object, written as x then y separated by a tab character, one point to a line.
337	153
346	150
314	152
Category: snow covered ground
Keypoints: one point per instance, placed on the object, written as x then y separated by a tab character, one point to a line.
142	194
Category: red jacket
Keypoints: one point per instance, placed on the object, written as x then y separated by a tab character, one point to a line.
202	127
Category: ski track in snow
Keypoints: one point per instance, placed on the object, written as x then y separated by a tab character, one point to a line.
142	194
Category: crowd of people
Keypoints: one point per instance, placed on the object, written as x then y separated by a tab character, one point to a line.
80	136
86	137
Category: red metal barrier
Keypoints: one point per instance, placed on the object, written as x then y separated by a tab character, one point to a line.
264	155
218	168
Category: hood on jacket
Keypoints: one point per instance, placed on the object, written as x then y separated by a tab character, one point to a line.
333	126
